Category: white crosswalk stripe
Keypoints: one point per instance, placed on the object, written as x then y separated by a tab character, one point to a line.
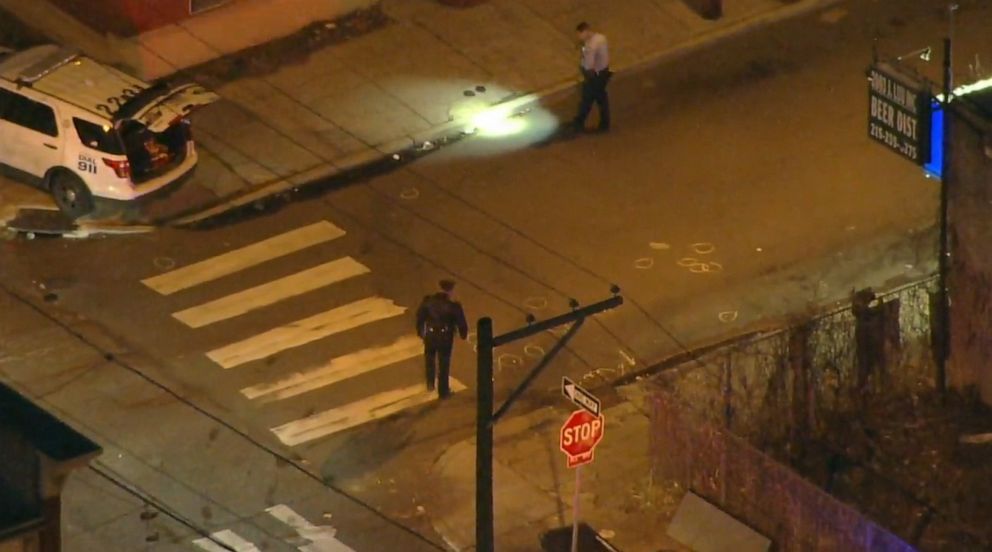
228	538
240	259
356	413
245	349
321	538
272	292
306	330
337	369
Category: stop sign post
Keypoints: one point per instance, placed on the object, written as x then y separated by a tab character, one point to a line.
580	434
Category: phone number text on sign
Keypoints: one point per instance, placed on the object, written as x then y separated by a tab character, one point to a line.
891	139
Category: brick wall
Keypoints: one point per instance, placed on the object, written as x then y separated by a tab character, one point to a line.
126	17
970	200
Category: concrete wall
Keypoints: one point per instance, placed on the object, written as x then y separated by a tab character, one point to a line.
131	17
970	201
126	17
114	31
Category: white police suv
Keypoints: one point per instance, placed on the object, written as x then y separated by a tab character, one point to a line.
88	130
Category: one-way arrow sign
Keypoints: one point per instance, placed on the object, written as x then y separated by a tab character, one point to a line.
582	398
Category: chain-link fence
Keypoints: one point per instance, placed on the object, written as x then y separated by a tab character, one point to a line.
767	387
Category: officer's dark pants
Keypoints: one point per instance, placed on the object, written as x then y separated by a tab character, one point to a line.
594	91
437	358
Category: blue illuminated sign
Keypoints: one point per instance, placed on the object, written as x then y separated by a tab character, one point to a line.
935	167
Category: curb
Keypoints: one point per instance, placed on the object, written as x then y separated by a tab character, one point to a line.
72	229
350	163
451	129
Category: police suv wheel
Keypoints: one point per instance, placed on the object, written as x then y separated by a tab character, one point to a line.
71	195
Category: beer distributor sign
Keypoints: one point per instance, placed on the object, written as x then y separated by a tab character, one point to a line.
899	114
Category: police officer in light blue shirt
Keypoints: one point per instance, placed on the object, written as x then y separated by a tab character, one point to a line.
595	66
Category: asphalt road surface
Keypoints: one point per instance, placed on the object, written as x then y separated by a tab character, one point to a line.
738	185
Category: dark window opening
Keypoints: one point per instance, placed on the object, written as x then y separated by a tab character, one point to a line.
25	112
100	138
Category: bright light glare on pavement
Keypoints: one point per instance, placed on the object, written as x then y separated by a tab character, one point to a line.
496	122
489	121
496	119
502	128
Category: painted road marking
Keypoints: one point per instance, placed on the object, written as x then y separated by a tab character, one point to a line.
228	538
322	538
304	331
337	369
240	259
271	292
356	413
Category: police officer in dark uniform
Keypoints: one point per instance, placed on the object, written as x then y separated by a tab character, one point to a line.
437	319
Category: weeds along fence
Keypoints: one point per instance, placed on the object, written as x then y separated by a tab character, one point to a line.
767	386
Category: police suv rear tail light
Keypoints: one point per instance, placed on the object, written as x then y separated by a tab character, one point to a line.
121	168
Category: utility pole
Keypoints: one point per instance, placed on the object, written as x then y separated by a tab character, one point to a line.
944	254
484	537
486	418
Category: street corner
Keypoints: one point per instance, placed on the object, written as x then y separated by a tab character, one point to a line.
16	196
162	207
27	210
31	219
449	495
520	505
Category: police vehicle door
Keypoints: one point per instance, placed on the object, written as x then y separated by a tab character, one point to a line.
30	134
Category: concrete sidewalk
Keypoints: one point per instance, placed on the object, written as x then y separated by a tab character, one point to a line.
533	490
345	94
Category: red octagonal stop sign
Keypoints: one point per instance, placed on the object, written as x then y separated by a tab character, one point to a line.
579	436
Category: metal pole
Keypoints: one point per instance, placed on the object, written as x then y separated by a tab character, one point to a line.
558	346
538	327
575	512
487	342
943	261
484	539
